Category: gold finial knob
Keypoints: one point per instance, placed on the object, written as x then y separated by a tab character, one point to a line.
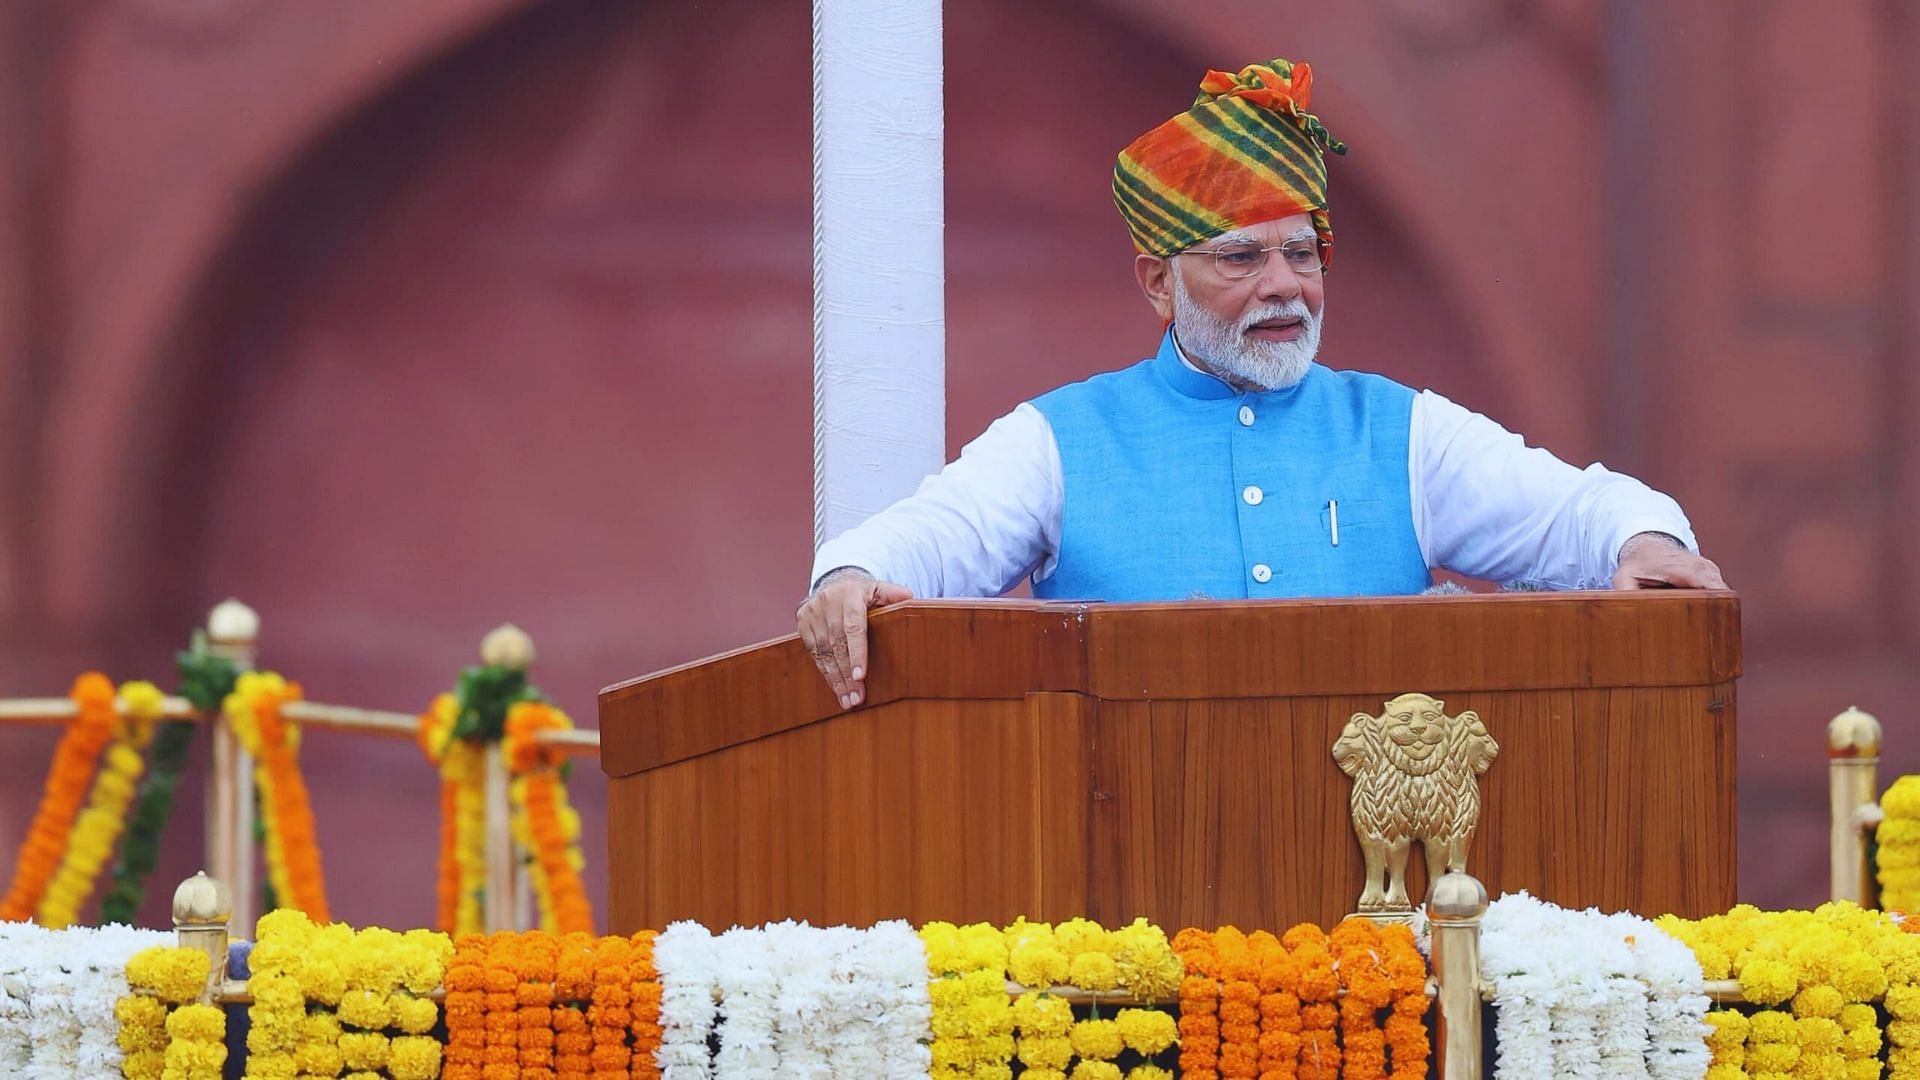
1853	734
1457	896
202	901
507	646
233	623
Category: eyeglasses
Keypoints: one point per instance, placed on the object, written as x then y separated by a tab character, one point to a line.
1244	259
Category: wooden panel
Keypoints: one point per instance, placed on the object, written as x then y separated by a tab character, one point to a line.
1007	649
1154	790
1384	644
1219	812
962	808
925	649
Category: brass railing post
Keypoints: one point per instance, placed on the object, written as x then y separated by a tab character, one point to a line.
1853	760
1454	907
202	907
233	631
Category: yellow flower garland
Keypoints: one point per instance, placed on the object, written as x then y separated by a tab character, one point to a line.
972	1018
187	1042
1136	959
196	1043
97	828
1898	840
328	999
1820	971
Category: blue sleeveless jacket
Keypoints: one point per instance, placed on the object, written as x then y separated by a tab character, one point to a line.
1179	487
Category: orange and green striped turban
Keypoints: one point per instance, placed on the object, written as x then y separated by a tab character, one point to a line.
1247	151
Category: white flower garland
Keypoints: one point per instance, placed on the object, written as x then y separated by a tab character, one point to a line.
810	1009
748	997
1589	996
685	956
57	991
889	968
1677	1002
18	950
793	1001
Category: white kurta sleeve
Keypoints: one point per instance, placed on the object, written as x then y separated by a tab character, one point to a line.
1487	505
975	528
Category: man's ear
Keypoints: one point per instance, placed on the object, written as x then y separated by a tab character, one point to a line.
1155	275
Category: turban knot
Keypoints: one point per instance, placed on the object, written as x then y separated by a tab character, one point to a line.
1246	151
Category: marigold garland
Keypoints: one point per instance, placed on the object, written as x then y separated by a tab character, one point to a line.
1238	973
466	1009
252	711
142	1036
1043	1023
69	777
1279	1007
1319	985
535	964
461	865
610	1014
1199	1004
1359	958
187	1041
546	824
643	987
1897	842
1406	1027
91	841
972	1018
196	1043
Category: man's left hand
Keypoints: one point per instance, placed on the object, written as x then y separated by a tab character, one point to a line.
1658	561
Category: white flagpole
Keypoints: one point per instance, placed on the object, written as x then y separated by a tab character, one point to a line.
879	309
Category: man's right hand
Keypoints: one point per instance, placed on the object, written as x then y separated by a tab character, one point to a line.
833	624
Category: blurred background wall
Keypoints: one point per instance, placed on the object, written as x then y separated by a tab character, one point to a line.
399	320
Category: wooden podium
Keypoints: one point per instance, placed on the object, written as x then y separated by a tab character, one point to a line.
1170	760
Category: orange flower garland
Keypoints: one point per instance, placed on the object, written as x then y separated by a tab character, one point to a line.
643	988
436	740
1279	1007
1406	1027
501	985
537	963
1199	1005
610	1014
69	779
1319	985
542	799
1358	956
573	982
1239	1005
293	850
466	1009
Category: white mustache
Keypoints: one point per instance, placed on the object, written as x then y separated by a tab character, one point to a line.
1292	309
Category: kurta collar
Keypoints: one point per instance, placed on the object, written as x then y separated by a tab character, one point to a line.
1185	380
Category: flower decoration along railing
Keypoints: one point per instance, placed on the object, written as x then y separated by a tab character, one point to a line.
125	750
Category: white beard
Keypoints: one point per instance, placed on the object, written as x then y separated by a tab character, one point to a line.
1227	350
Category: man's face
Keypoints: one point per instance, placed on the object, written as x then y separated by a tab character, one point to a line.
1262	330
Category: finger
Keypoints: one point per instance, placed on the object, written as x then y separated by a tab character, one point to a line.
837	640
813	632
856	637
886	592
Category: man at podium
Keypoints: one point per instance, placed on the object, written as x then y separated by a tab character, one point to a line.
1231	464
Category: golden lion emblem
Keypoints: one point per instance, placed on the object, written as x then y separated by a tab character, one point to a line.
1415	777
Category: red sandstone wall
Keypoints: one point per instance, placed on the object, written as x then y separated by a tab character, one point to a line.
399	321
